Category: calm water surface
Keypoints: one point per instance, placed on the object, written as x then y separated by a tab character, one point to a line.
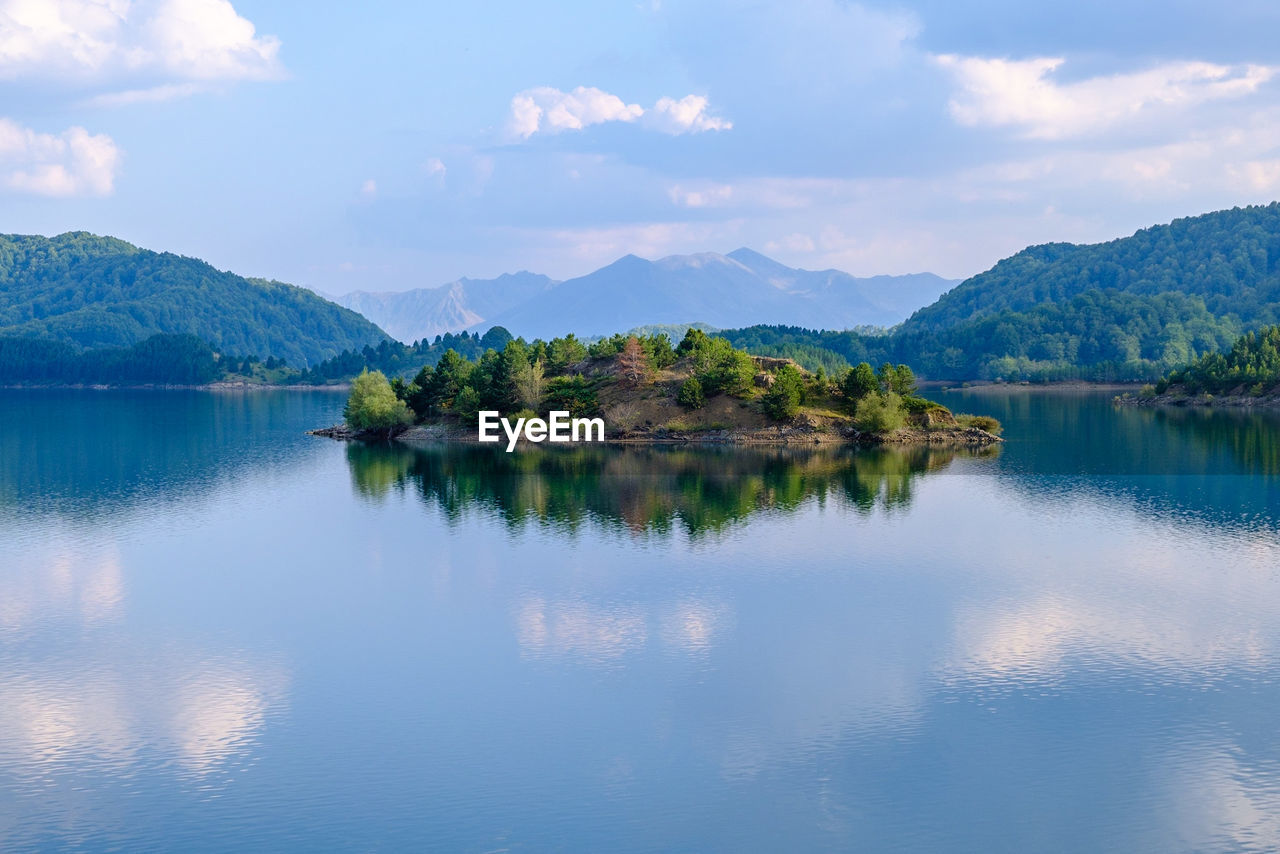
217	633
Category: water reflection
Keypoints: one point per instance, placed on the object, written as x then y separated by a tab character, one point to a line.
643	490
136	710
845	651
1085	433
86	453
85	582
86	707
579	629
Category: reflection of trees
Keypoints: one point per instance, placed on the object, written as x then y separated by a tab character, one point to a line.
1087	434
79	451
1252	438
1214	466
641	488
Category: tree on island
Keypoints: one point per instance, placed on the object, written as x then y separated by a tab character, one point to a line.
531	383
633	364
690	395
859	382
782	401
373	407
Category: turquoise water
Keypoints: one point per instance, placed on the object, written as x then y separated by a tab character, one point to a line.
218	633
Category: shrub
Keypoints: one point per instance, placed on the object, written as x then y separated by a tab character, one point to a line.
982	422
915	405
373	405
880	413
690	395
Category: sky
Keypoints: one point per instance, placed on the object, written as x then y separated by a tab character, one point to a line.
387	146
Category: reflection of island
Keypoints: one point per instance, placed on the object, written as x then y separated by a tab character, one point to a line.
643	489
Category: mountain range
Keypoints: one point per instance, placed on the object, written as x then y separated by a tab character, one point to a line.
1127	309
738	289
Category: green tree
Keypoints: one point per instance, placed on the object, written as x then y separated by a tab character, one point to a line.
563	353
495	339
373	406
467	404
498	375
451	375
659	350
690	395
574	394
782	400
902	381
722	369
859	382
531	384
694	340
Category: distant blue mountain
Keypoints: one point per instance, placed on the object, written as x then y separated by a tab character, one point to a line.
427	312
723	291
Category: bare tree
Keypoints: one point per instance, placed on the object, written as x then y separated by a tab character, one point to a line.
633	364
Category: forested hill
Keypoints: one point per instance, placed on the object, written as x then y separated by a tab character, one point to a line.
1129	309
1230	259
96	292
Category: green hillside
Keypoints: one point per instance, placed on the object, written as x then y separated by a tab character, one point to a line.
1230	259
95	292
1250	367
1129	309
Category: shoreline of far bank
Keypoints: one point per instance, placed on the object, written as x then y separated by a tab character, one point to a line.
222	385
1200	401
1073	386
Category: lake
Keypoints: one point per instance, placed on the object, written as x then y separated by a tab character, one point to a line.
218	633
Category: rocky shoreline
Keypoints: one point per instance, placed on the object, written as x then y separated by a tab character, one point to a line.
428	434
1201	401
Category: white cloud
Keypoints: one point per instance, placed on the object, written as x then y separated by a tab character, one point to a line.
72	163
688	115
548	110
435	167
709	195
111	42
369	188
1023	94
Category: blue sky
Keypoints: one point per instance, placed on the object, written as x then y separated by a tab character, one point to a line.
395	145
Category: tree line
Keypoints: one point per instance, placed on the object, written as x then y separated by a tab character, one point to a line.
160	359
1251	367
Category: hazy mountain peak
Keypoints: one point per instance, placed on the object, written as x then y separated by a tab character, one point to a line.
696	260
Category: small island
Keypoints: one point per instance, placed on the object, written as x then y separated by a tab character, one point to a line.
647	391
1248	375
